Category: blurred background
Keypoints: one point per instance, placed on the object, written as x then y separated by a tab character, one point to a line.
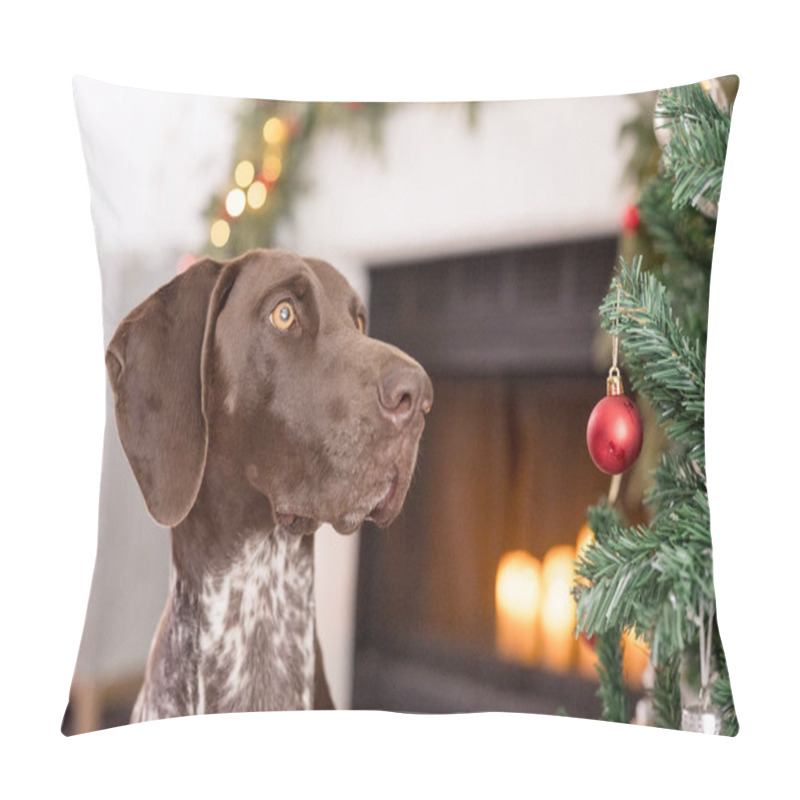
483	237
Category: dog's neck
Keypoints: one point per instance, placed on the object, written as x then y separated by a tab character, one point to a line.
238	630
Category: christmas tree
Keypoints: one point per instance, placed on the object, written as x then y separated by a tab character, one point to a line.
656	580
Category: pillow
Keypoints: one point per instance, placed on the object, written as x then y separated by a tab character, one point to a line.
540	271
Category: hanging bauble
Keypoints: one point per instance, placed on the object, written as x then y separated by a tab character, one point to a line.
614	432
630	220
701	718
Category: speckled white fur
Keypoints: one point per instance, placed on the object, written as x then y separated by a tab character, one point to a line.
245	641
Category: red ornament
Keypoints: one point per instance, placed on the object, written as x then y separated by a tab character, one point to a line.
614	432
630	220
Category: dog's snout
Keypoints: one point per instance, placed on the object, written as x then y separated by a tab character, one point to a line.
403	393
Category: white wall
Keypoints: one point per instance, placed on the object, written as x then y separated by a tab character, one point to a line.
528	172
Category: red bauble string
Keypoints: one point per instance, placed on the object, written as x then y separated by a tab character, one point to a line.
614	432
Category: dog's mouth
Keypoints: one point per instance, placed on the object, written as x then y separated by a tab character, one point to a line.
373	491
387	499
384	511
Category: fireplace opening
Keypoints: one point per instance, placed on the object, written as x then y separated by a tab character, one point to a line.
465	604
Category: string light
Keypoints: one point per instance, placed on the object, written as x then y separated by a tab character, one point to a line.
244	174
257	195
275	131
220	233
272	168
235	202
252	192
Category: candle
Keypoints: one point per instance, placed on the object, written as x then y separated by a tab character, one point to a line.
587	657
558	608
517	598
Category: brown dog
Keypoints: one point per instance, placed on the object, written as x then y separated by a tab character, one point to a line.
252	408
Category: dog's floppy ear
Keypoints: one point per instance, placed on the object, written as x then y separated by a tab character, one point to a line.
154	367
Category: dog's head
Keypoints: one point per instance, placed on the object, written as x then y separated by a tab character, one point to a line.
262	365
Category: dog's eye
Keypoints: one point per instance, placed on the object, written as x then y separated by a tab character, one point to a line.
361	323
283	316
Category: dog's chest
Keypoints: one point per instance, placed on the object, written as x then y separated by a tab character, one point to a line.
256	636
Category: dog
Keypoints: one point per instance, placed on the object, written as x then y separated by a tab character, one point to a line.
253	407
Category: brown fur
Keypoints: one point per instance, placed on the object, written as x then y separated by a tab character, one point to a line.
239	433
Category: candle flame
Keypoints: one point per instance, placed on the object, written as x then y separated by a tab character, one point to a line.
517	600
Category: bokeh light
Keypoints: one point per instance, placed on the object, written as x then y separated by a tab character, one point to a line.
275	131
235	202
272	168
244	173
220	233
257	194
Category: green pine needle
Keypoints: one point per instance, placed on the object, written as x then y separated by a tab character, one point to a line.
694	157
667	694
664	363
611	691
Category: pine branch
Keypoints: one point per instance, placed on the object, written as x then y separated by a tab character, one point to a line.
615	575
676	482
683	242
721	693
652	578
667	694
722	698
694	157
684	237
664	363
611	692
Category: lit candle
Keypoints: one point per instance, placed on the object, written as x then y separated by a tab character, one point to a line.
558	608
587	657
517	597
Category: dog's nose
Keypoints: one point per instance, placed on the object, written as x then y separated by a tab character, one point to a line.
403	393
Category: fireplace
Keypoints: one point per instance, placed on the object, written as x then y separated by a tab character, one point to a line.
508	339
